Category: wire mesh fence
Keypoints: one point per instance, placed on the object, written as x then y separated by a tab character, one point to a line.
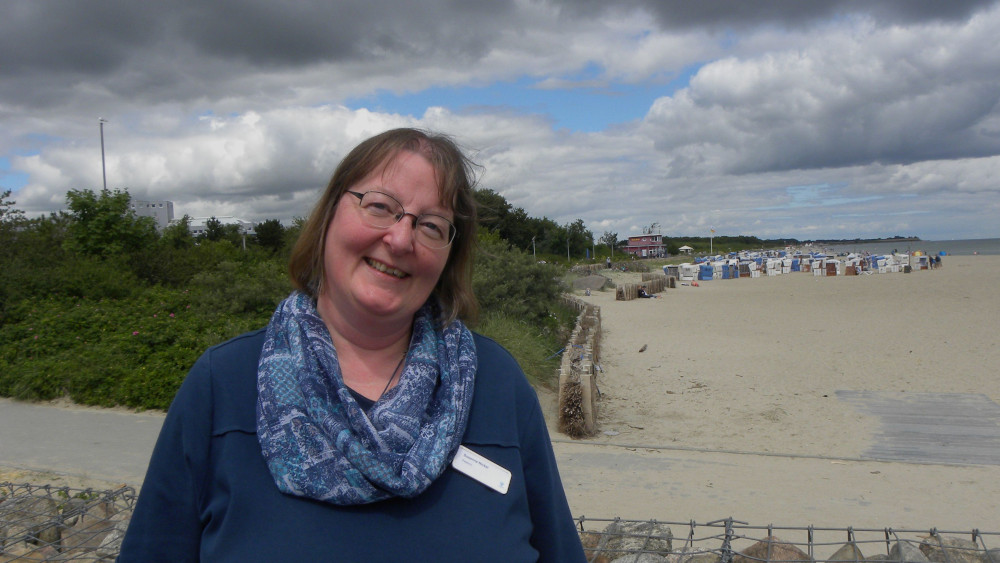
46	523
731	541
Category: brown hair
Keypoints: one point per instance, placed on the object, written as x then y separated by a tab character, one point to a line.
454	175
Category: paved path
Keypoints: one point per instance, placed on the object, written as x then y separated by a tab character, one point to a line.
101	444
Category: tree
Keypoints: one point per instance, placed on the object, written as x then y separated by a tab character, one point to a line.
609	239
214	229
104	225
578	237
178	235
652	229
492	208
8	214
270	234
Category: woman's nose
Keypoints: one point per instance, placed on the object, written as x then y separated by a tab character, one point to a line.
399	237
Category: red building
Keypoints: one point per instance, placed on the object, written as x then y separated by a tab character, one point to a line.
646	246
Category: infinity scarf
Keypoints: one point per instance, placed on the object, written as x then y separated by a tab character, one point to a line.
319	444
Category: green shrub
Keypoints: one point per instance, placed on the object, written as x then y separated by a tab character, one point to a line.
534	349
509	282
133	352
241	287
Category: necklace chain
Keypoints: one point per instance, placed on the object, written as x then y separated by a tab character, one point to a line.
392	375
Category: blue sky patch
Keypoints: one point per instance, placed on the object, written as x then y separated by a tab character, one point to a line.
585	102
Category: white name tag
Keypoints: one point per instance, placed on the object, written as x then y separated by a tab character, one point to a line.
481	469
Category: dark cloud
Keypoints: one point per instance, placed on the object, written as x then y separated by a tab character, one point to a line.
72	37
66	43
674	14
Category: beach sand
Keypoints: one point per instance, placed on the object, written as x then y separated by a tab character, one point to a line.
733	410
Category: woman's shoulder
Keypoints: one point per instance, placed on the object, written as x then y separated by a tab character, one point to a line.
226	377
246	344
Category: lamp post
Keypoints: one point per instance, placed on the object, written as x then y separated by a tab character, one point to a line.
104	173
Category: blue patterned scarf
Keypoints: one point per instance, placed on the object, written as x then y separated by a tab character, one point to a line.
317	441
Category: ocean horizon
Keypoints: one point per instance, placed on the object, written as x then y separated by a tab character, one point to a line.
961	247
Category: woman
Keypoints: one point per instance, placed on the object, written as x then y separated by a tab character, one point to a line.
366	423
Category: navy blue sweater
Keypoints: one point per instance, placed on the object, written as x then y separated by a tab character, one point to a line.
208	495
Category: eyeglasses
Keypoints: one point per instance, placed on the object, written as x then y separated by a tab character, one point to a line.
381	210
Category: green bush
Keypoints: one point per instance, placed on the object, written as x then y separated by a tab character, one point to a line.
241	287
510	282
536	350
133	352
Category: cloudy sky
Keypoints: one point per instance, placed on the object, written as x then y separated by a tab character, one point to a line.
835	119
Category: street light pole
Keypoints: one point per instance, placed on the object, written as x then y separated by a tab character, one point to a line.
104	173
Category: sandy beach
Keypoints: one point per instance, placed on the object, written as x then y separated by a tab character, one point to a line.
740	405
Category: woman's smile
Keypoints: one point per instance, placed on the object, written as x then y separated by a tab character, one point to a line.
386	269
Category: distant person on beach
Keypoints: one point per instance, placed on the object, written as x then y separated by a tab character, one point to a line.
608	262
937	261
643	294
366	422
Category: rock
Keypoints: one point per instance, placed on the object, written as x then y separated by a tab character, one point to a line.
633	537
591	542
771	549
621	540
692	555
640	558
848	552
26	552
112	542
906	552
29	520
948	549
85	535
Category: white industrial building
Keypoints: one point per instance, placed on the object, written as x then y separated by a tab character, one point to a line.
161	211
199	225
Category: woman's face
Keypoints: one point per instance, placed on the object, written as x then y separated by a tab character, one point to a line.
383	274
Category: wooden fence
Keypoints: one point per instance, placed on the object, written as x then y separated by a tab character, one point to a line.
654	283
578	391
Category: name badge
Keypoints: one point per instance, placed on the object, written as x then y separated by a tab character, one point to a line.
481	469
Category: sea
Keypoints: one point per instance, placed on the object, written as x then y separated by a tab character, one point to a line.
966	247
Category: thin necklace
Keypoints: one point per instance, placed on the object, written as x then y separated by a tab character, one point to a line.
393	376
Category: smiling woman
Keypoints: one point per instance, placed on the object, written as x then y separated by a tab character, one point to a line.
366	423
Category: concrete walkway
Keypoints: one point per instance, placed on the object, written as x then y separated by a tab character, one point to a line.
104	444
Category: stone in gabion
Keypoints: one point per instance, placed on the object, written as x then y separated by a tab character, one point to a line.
650	537
771	549
906	552
848	552
640	558
947	549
